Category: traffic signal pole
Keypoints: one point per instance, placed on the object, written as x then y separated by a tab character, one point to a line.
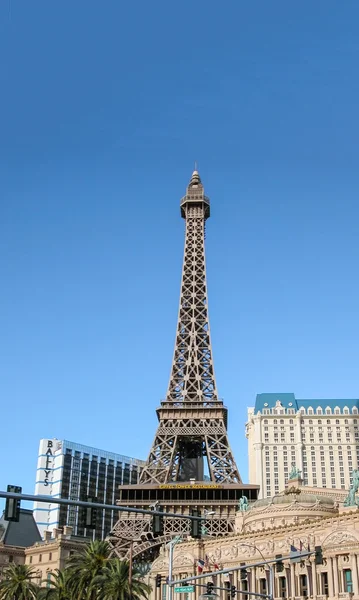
96	505
294	556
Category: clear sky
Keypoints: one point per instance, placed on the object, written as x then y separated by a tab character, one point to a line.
104	107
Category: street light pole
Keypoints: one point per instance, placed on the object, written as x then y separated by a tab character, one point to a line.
270	567
171	545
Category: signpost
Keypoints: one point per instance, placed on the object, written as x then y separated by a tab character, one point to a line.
184	589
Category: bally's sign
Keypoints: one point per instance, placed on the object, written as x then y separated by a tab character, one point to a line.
48	464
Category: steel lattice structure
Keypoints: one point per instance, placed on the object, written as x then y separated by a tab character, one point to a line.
192	426
192	418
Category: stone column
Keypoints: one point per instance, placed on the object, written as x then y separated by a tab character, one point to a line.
330	577
292	580
252	586
314	578
355	574
336	576
286	574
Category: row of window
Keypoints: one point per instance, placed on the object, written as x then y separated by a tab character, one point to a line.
40	558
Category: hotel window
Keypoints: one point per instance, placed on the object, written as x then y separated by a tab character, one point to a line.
348	583
282	587
303	584
40	557
50	555
325	584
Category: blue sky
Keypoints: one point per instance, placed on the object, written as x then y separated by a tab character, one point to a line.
104	108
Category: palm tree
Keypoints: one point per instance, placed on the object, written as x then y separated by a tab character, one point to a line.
84	566
60	588
114	582
17	583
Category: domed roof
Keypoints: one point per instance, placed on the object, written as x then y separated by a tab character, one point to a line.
301	498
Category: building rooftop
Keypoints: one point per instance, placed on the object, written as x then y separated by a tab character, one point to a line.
288	400
24	533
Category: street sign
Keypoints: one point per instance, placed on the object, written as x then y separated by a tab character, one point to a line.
185	589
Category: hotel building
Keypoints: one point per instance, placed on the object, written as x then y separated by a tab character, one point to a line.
318	437
73	471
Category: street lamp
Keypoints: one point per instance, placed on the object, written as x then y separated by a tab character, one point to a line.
270	567
176	540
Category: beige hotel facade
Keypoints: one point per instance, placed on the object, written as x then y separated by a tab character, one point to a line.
318	437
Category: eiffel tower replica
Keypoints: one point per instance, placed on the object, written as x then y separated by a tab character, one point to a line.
192	430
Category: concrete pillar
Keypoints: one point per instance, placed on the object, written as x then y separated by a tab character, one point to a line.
314	589
336	576
355	574
330	577
252	585
292	580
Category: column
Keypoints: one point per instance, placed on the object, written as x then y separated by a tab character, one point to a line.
252	586
292	580
355	574
330	577
314	578
336	576
286	574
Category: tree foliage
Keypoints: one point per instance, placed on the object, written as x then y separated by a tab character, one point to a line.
90	574
17	583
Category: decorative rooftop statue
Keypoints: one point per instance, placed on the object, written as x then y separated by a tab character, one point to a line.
295	473
243	504
351	499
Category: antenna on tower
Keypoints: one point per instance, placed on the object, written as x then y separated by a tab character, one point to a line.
195	165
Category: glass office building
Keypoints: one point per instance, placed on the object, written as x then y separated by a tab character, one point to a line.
76	472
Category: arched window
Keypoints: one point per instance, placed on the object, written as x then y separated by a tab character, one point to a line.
281	421
355	410
337	410
265	421
319	410
310	411
328	410
346	410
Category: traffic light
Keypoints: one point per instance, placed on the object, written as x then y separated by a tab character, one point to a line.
157	523
244	574
318	555
279	566
158	580
196	525
90	514
12	505
210	586
233	591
